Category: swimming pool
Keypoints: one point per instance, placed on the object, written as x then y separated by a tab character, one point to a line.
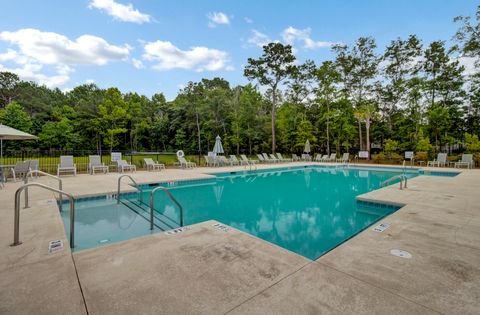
308	210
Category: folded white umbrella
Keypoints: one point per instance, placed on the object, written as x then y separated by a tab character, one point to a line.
307	147
218	148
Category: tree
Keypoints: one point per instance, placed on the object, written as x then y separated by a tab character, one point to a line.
113	117
274	66
472	143
469	35
327	77
8	84
13	115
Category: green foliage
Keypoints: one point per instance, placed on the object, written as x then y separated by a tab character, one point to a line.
423	143
390	147
472	143
13	115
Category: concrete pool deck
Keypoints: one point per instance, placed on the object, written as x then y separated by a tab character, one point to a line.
207	270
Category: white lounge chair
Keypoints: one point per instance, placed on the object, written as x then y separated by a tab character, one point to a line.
152	165
467	160
95	163
274	158
210	161
234	160
318	158
184	163
281	158
295	158
123	165
247	161
261	158
268	159
306	157
332	157
345	158
441	160
66	165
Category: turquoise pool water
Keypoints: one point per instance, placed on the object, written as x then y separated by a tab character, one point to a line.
308	210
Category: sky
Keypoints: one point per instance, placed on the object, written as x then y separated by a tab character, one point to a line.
150	47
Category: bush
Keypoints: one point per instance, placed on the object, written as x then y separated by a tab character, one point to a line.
378	158
396	158
421	156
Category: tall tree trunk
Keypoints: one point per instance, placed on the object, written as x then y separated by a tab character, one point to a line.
367	127
360	134
198	133
274	105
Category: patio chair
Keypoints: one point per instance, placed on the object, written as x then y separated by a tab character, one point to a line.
34	166
441	160
295	158
261	159
67	165
269	159
123	165
184	163
20	169
306	157
234	160
332	157
345	158
152	165
247	161
210	161
318	157
280	157
324	158
467	160
274	158
95	163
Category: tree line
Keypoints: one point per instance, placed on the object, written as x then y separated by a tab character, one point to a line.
412	96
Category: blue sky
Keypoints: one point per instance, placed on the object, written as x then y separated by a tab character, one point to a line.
150	46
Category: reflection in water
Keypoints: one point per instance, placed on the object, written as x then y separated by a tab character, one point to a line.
307	211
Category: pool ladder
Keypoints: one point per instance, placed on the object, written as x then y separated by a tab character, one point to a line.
16	229
152	193
403	181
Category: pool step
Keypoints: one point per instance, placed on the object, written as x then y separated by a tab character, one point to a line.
160	221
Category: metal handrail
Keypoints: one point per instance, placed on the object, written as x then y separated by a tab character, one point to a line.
171	197
16	230
402	177
137	186
30	173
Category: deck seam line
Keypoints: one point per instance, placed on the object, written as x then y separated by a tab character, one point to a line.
378	287
79	283
275	283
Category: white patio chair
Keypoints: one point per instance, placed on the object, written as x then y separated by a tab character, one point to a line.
95	164
152	165
66	165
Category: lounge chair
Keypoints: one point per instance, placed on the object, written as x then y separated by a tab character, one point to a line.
261	159
210	161
184	163
332	158
268	159
345	158
66	165
318	157
123	165
247	161
295	158
441	160
467	160
306	157
20	169
324	158
234	160
281	158
274	158
152	165
95	163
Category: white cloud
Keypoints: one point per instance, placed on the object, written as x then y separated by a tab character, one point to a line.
470	64
121	12
291	35
167	57
36	49
217	18
248	20
258	39
138	64
89	81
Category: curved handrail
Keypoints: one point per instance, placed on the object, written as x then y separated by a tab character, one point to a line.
171	197
402	177
137	186
31	172
16	230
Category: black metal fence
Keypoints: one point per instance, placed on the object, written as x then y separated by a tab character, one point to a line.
49	159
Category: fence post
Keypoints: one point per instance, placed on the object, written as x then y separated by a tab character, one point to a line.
23	155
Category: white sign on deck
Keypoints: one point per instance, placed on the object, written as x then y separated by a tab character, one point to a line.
178	230
363	154
221	227
381	227
55	246
408	155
